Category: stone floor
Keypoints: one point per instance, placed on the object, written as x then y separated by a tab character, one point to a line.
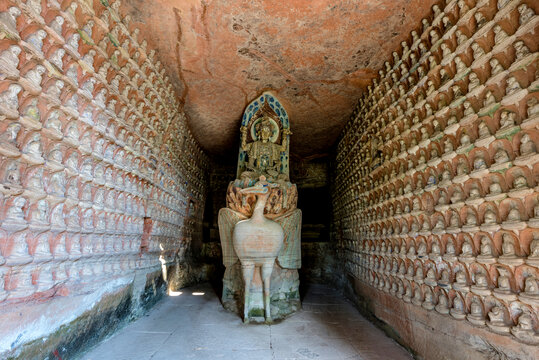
193	325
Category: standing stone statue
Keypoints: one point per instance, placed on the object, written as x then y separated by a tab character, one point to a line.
260	229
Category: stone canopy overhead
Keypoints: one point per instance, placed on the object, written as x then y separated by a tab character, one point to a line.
317	56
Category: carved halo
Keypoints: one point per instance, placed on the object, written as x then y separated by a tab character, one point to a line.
274	132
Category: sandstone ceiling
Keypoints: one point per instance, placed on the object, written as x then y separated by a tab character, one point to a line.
316	55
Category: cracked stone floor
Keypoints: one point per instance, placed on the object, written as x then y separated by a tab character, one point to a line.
194	325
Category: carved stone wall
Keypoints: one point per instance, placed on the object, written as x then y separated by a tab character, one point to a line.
100	179
436	202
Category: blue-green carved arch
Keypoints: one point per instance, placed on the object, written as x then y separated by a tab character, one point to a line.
254	106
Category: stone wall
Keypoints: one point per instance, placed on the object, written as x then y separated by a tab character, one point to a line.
101	183
436	202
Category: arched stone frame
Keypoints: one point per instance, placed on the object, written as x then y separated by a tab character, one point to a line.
265	102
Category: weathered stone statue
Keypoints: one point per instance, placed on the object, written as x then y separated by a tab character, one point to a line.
261	226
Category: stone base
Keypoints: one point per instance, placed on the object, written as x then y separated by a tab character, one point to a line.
285	299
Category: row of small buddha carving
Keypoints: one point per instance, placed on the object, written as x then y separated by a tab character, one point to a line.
456	168
474	278
102	173
495	280
494	188
525	15
521	50
110	189
42	215
58	30
504	122
528	208
40	218
517	182
27	246
516	318
430	203
468	219
506	247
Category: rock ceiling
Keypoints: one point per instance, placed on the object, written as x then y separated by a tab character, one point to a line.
317	56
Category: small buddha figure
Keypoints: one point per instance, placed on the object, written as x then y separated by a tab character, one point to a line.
479	163
9	98
507	119
442	307
473	81
526	14
508	246
471	219
446	50
495	188
456	94
533	107
33	147
495	67
520	182
8	139
9	59
461	38
461	66
462	168
512	86
527	146
501	156
521	50
477	51
524	330
476	311
439	224
430	88
15	212
486	247
458	308
531	288
428	304
467	250
490	217
36	40
483	130
496	316
468	109
474	193
489	99
481	280
434	36
460	278
464	140
513	215
480	19
499	34
534	247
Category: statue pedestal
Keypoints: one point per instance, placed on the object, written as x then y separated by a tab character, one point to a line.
284	293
